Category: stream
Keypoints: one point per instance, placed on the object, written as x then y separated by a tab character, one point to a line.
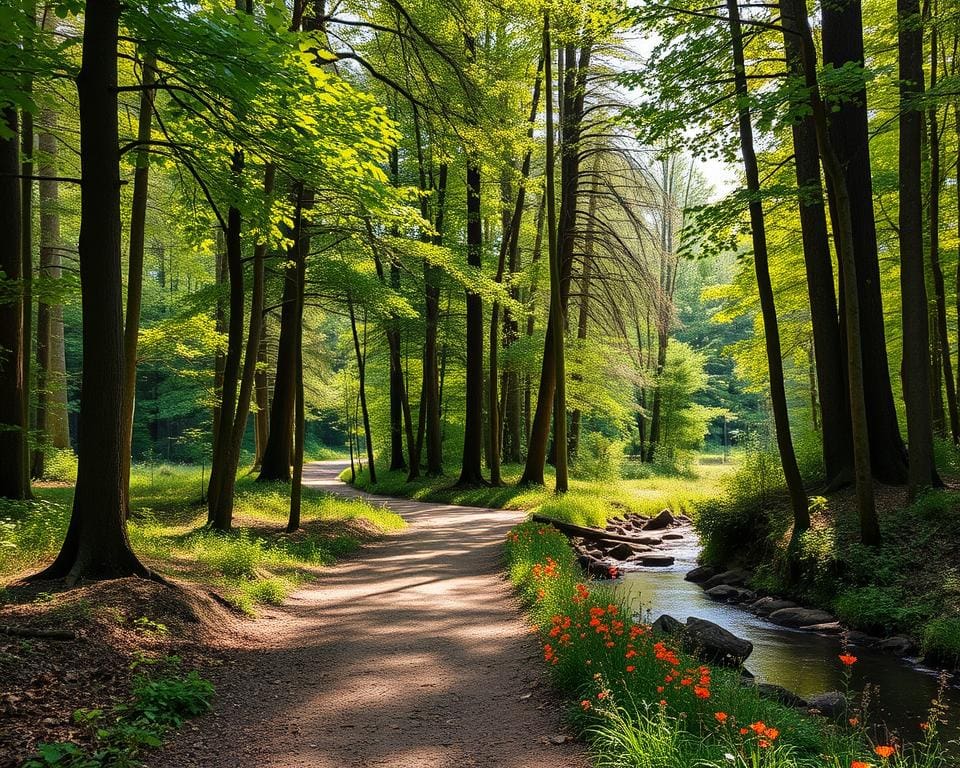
803	662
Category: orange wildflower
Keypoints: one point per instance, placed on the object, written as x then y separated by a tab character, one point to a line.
847	659
721	716
585	704
860	764
884	751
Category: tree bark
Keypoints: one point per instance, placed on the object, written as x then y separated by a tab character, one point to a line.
471	469
299	431
262	398
96	544
138	224
842	36
275	464
431	370
14	469
836	440
836	177
778	396
916	362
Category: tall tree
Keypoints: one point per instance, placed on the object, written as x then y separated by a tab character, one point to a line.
14	461
778	397
842	35
833	400
96	544
916	368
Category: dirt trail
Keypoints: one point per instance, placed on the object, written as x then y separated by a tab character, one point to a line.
412	655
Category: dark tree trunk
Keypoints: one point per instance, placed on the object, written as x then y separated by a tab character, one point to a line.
223	476
827	338
138	225
471	469
26	237
842	35
275	464
916	361
843	209
14	468
574	83
96	544
299	430
778	396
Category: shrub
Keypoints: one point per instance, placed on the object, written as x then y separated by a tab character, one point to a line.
60	464
598	458
941	641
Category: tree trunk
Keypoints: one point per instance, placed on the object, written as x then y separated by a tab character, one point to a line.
96	544
14	467
223	475
833	399
296	486
584	314
262	398
836	177
138	224
936	185
52	423
778	396
471	471
573	88
842	36
26	238
275	464
362	384
431	370
556	304
916	362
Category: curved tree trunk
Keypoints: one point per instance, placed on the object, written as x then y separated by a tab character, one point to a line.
778	396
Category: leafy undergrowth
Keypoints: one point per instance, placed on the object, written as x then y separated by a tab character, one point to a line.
114	637
639	701
255	564
162	698
588	502
908	585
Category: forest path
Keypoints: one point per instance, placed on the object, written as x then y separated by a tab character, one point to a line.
411	655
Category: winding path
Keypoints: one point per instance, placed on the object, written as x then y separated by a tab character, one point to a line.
411	655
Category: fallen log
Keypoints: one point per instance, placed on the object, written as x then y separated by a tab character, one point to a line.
594	534
40	634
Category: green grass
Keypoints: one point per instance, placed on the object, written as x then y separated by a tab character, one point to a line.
255	564
588	502
640	702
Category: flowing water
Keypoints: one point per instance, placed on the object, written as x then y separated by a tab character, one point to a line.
803	662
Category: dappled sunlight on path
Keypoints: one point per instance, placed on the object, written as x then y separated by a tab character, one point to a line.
411	654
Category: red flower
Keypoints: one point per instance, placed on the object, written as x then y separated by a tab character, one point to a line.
721	716
848	659
630	668
860	764
585	704
884	751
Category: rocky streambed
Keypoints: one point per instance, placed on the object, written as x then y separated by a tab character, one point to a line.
788	651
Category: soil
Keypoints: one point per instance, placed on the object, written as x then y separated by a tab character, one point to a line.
116	625
411	655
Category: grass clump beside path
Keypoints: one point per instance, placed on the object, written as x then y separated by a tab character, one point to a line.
588	502
640	702
255	564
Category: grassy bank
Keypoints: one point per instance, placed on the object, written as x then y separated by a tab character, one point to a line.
257	563
640	702
588	502
909	585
